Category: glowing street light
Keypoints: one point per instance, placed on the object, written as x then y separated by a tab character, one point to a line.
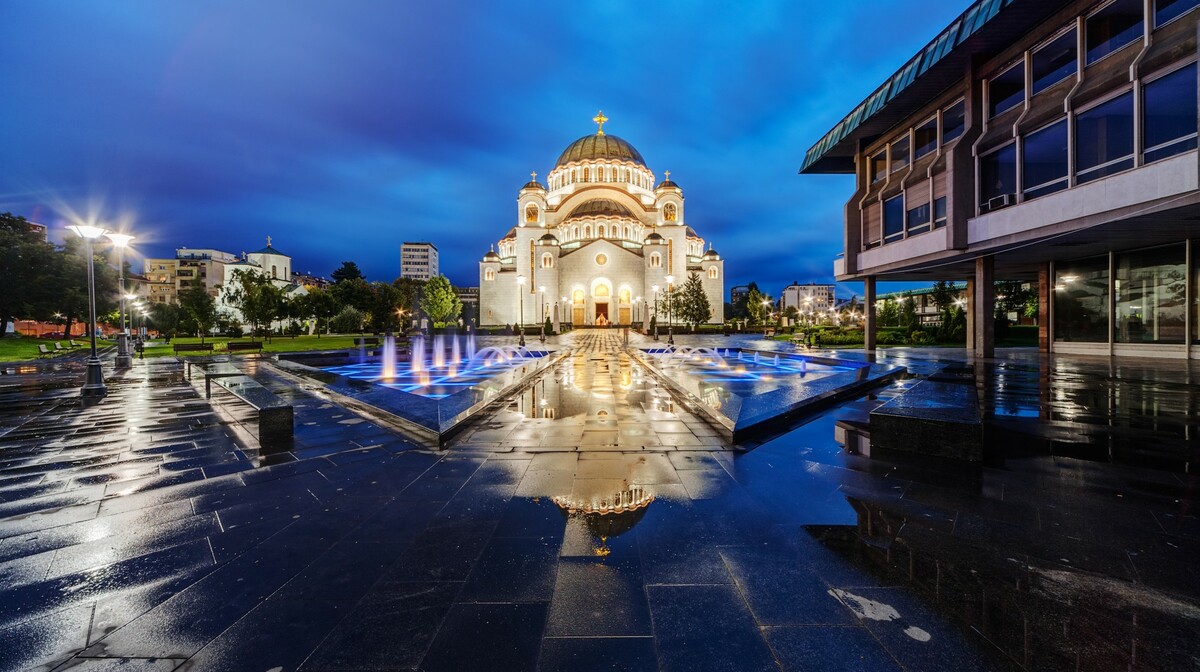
542	312
654	288
93	384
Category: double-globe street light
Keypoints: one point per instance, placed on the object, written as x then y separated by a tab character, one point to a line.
121	241
654	288
542	312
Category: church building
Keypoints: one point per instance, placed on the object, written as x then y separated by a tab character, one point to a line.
598	244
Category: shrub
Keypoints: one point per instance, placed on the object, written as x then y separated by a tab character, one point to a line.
918	337
348	321
889	338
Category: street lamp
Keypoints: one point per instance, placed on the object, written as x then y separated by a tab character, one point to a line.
637	309
93	384
542	312
670	306
521	310
654	288
121	241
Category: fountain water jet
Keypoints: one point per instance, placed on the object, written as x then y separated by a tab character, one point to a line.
388	370
418	354
439	351
455	351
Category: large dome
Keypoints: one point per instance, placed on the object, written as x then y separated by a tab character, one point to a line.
600	146
600	207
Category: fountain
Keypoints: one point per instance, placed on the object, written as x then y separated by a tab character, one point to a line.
470	346
439	351
776	360
417	357
388	368
455	351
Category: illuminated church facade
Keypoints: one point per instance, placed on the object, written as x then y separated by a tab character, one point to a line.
597	244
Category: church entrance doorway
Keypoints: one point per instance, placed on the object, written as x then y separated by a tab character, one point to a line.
602	312
623	311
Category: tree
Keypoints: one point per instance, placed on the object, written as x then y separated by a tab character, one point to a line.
908	313
199	310
410	292
354	292
24	258
165	318
889	313
256	297
348	320
693	307
758	305
66	276
322	305
439	301
385	303
347	271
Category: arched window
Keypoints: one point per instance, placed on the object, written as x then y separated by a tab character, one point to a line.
575	232
531	213
628	231
601	290
712	272
489	275
602	231
587	230
577	296
274	272
587	174
670	214
625	296
655	260
547	260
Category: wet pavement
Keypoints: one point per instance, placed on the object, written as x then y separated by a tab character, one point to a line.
146	532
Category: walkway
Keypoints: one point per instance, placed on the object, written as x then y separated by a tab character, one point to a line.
140	529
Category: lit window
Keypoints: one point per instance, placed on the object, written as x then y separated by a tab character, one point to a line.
1044	161
587	231
577	296
489	275
1007	89
669	212
1104	139
918	219
953	121
655	260
1169	117
712	272
531	213
1113	27
926	139
1054	62
547	260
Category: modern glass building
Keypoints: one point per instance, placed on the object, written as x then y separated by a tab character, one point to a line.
1038	140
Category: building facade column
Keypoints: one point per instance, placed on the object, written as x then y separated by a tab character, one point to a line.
869	321
1045	295
983	309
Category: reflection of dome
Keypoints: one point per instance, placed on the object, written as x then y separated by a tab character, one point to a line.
599	146
600	207
608	516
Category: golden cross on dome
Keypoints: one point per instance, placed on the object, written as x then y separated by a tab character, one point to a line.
600	119
268	241
533	176
667	175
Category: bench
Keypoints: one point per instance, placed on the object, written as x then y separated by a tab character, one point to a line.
193	347
58	347
73	344
239	346
275	416
44	352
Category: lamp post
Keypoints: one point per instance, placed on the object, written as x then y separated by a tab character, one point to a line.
93	384
121	241
562	316
521	310
670	306
637	309
542	312
654	288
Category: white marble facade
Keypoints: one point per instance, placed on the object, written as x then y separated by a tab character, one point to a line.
598	237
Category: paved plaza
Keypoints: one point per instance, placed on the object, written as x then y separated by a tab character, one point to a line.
147	531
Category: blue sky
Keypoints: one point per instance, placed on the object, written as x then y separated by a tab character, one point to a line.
341	129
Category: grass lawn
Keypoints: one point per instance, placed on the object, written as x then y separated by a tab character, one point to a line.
276	344
18	349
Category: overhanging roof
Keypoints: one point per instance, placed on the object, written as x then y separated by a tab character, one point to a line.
987	27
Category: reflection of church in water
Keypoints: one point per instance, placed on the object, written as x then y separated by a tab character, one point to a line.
593	244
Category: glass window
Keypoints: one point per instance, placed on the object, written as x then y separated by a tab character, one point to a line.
998	178
926	139
953	120
1054	62
1169	114
879	166
918	219
1044	161
1104	139
1150	298
1007	89
939	213
1113	27
1165	10
893	219
1081	300
899	154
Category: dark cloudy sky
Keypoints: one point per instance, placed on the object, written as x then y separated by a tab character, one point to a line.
343	128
